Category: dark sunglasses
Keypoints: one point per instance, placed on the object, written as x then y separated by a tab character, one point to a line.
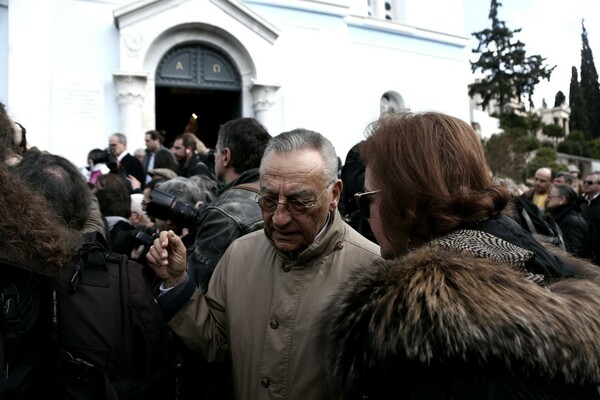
589	182
363	202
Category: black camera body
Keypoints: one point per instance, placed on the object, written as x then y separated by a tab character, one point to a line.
166	207
107	157
142	237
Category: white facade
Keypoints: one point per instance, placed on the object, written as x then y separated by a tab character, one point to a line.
557	116
80	70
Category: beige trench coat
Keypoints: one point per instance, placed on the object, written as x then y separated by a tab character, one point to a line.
264	308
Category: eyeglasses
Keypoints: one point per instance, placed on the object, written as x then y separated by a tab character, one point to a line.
363	202
589	182
295	207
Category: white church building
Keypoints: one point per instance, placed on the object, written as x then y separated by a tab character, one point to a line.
75	71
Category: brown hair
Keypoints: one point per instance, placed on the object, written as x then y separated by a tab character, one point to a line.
432	171
31	235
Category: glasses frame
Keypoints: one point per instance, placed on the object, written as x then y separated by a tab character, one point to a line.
307	205
586	182
363	202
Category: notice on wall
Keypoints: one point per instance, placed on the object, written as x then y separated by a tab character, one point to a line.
77	113
78	98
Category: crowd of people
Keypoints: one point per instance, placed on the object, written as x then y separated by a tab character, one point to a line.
563	210
409	272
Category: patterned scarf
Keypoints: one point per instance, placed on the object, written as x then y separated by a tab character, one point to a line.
483	245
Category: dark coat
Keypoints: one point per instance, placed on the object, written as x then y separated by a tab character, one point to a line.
163	158
573	228
591	213
453	322
132	166
194	166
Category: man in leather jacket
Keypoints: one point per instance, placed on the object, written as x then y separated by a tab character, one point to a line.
240	146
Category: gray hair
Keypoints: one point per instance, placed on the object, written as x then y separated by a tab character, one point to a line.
183	189
304	139
567	192
207	187
121	138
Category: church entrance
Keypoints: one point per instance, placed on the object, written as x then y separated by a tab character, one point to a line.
196	80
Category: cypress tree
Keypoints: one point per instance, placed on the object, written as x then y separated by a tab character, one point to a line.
578	118
590	89
559	99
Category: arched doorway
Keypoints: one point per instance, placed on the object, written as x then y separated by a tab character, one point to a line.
195	78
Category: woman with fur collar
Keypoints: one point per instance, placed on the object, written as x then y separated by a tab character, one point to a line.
466	305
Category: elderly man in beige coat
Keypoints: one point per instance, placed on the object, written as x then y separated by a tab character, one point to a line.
270	287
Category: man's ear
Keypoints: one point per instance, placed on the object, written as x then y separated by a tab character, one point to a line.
336	193
226	153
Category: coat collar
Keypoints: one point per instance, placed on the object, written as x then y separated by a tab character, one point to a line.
330	240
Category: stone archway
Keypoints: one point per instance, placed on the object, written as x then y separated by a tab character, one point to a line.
196	79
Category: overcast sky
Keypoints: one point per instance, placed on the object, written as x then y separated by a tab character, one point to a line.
550	28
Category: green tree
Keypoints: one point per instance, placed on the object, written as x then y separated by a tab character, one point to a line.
508	72
553	131
577	136
507	152
578	118
569	146
590	88
545	157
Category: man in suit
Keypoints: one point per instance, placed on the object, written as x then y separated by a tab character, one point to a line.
128	165
591	213
157	154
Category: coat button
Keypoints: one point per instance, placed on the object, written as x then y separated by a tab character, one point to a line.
286	268
273	324
264	382
340	245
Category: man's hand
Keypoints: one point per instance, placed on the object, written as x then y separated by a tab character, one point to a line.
167	257
135	184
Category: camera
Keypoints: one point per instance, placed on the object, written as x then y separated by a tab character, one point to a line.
107	157
166	207
142	237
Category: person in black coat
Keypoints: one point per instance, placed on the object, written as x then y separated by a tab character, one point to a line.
591	212
353	176
185	152
157	155
563	206
127	164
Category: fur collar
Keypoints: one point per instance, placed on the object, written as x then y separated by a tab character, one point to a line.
442	303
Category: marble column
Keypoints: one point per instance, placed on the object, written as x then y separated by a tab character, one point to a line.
263	100
131	89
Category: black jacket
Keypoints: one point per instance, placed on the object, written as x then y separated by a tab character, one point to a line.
231	215
163	158
194	166
132	166
573	228
591	213
460	319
